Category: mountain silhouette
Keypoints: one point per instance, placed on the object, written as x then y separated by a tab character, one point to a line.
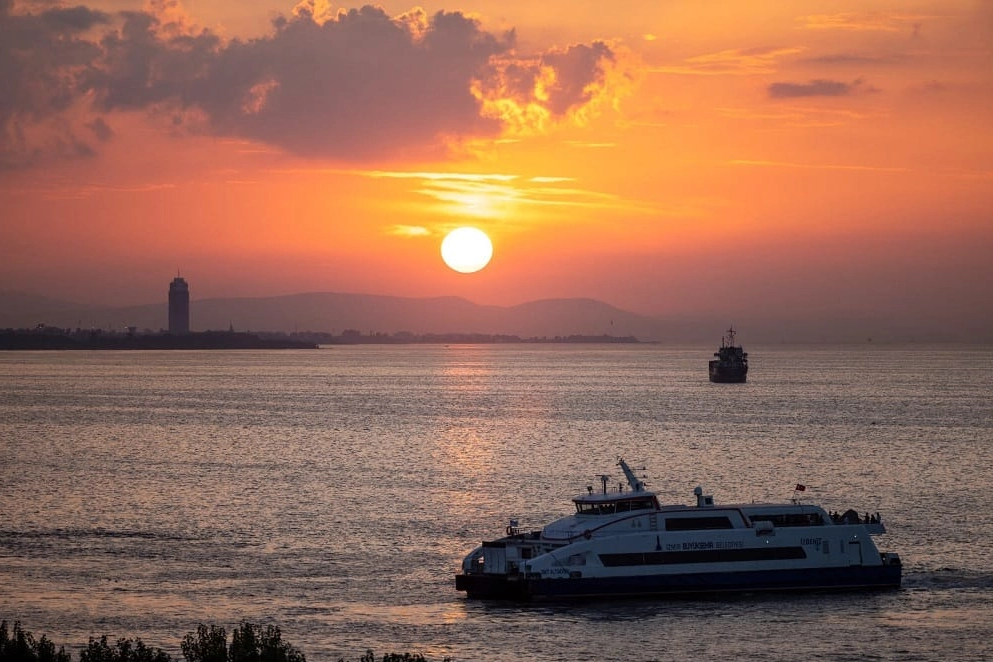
334	312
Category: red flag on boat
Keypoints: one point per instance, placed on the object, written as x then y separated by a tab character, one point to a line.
800	487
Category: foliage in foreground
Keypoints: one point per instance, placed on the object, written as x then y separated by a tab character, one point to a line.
249	643
125	650
395	657
22	647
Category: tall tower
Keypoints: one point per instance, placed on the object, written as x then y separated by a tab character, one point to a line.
179	306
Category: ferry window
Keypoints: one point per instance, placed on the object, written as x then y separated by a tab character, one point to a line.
642	504
697	523
612	507
595	508
781	520
703	556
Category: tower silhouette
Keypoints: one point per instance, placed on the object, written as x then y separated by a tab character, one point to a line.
179	306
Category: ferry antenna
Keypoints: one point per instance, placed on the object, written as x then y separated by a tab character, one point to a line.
603	479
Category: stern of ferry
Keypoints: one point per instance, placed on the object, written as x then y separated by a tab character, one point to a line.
495	569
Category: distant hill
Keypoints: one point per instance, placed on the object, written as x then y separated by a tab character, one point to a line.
332	312
336	312
18	309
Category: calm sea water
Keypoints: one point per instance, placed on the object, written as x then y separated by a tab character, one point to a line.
334	492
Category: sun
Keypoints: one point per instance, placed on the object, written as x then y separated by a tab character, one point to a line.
466	250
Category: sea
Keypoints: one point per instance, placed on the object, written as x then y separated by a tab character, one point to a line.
333	493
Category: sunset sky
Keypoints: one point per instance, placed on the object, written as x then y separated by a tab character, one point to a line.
670	157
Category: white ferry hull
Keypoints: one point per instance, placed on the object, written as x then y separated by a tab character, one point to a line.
852	578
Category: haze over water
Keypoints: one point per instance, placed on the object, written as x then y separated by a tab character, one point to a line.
334	492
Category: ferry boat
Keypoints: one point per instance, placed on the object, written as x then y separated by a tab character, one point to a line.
621	542
731	364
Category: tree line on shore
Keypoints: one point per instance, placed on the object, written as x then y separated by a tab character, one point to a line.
249	643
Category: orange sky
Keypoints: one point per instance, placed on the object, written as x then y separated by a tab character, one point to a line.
672	158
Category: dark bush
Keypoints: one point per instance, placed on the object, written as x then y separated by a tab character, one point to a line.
126	650
22	647
251	643
395	657
209	645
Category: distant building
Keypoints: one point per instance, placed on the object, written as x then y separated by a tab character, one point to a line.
179	307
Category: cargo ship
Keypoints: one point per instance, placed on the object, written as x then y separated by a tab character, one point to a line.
731	364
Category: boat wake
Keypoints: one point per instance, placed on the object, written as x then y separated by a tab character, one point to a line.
943	579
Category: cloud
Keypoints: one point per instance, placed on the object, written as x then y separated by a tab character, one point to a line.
797	115
864	22
408	231
101	130
41	56
847	59
149	62
440	176
503	196
531	95
817	88
735	62
814	166
362	85
354	85
932	86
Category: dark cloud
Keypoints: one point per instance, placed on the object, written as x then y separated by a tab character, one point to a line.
816	88
846	59
41	58
362	85
358	85
576	68
71	19
101	130
142	65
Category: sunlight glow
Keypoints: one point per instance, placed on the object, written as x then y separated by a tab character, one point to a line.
466	250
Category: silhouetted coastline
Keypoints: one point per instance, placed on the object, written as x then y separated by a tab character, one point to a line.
53	338
15	339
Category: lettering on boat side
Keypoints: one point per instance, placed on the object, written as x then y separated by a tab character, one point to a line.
708	544
816	542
